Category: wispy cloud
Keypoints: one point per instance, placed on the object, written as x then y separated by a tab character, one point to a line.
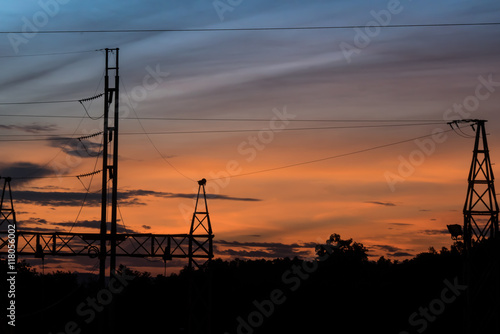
387	248
94	224
75	147
24	169
264	249
30	128
266	244
398	226
401	254
128	197
401	224
34	224
32	221
435	232
381	203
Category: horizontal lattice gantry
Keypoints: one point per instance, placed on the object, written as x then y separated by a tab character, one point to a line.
166	246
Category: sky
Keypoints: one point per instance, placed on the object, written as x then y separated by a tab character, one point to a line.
315	163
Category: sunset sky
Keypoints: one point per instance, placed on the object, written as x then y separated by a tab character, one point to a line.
396	200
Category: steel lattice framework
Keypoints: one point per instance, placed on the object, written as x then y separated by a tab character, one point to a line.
481	206
196	247
165	246
481	270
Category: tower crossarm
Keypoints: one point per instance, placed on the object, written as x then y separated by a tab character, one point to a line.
166	246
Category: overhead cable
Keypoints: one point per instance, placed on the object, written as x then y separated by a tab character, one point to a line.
416	25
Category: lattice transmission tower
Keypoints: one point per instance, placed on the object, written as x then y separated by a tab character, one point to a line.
480	238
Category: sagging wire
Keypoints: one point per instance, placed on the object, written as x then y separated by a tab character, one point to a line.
86	175
330	157
156	30
66	143
85	147
50	102
90	99
150	140
125	229
87	192
459	128
91	174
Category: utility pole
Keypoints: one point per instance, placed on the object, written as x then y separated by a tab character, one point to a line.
114	168
109	171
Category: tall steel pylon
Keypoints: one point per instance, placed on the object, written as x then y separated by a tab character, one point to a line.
200	223
481	206
8	223
480	228
7	213
200	286
109	169
8	234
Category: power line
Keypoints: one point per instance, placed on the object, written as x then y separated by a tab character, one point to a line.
39	116
149	138
288	120
55	137
46	54
67	142
91	99
279	130
284	166
42	177
248	28
180	119
54	101
87	190
328	158
40	102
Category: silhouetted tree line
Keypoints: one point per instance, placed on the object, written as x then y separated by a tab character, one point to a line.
341	291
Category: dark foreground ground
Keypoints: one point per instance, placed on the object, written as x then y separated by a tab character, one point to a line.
340	292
